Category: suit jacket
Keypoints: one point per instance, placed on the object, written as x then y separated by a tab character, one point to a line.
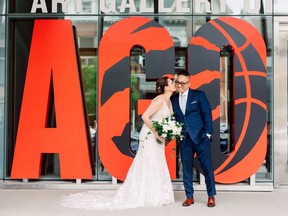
198	118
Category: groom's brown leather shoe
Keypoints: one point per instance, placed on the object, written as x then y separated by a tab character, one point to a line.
211	201
188	202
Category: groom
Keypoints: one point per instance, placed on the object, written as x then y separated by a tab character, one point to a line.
192	108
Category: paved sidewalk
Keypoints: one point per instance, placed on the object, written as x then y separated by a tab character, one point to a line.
34	202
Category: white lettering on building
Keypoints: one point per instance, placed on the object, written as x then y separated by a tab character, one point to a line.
222	6
42	6
79	7
108	6
55	3
205	3
252	6
144	8
182	6
129	6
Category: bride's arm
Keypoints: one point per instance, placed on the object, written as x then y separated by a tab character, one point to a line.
154	106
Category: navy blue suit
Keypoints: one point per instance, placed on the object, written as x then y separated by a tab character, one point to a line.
197	124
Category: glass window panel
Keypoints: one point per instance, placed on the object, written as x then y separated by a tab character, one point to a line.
227	102
266	172
280	7
89	63
87	33
2	6
137	77
108	21
2	90
180	29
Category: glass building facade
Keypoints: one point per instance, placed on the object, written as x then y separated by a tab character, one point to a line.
92	18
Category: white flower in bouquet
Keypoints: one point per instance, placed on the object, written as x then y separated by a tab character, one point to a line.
168	128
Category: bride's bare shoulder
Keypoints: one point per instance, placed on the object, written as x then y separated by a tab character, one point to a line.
158	100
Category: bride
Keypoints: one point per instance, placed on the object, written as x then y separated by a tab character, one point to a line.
148	180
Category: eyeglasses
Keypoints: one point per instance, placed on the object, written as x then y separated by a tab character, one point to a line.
181	83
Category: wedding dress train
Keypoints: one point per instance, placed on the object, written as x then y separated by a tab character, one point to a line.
147	182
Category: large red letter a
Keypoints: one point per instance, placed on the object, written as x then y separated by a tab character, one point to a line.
52	56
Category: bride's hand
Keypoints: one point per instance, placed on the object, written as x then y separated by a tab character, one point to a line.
158	138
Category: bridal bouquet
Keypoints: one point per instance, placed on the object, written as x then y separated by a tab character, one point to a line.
168	128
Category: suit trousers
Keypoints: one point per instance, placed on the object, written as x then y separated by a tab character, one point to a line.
187	150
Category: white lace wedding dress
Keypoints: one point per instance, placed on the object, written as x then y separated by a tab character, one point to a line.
147	182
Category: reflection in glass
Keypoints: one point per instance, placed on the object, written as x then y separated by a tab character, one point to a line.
180	29
265	26
2	88
2	6
281	7
50	166
226	99
140	89
137	61
89	77
87	34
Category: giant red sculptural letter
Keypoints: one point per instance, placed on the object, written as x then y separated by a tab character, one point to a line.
52	60
114	85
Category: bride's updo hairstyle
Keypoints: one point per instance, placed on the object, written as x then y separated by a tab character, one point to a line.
160	85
